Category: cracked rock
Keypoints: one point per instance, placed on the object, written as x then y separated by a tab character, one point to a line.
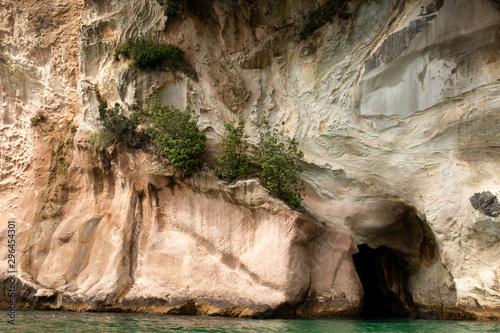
486	203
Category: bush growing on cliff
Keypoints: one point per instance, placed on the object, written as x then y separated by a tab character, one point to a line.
39	118
176	135
277	160
233	163
63	166
323	14
120	127
171	7
146	53
100	140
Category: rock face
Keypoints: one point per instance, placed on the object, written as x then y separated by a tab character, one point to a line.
396	110
486	203
141	240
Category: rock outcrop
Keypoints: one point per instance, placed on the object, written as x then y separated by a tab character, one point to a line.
143	240
396	110
486	203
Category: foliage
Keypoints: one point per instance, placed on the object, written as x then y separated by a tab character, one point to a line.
121	127
277	160
73	129
39	118
100	140
146	53
323	14
60	146
63	166
171	7
176	135
233	163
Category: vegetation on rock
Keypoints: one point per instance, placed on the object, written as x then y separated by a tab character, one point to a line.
120	127
171	7
274	158
63	166
39	118
146	53
100	140
323	14
172	131
234	163
176	135
277	159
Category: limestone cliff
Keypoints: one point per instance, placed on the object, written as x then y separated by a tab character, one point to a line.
395	108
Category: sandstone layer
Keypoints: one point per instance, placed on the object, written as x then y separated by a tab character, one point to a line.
396	110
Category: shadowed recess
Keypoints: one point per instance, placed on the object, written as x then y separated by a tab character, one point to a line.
385	283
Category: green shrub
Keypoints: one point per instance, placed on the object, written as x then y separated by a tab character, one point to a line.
63	166
60	146
100	140
146	53
277	161
176	135
233	163
39	118
171	7
323	14
74	129
121	127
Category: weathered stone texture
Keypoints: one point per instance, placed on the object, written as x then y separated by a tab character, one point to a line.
486	203
397	115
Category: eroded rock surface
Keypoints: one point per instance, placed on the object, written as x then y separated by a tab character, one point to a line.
143	242
486	203
395	109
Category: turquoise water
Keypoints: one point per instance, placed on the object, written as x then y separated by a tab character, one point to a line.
58	321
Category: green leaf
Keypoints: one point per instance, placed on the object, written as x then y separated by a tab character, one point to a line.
277	159
176	134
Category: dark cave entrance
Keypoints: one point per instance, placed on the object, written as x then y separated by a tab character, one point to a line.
384	277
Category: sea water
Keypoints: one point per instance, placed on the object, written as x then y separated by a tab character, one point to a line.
61	321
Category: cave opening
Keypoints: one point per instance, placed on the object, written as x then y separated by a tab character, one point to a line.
384	277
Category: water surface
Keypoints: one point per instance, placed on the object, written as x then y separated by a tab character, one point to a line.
38	321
